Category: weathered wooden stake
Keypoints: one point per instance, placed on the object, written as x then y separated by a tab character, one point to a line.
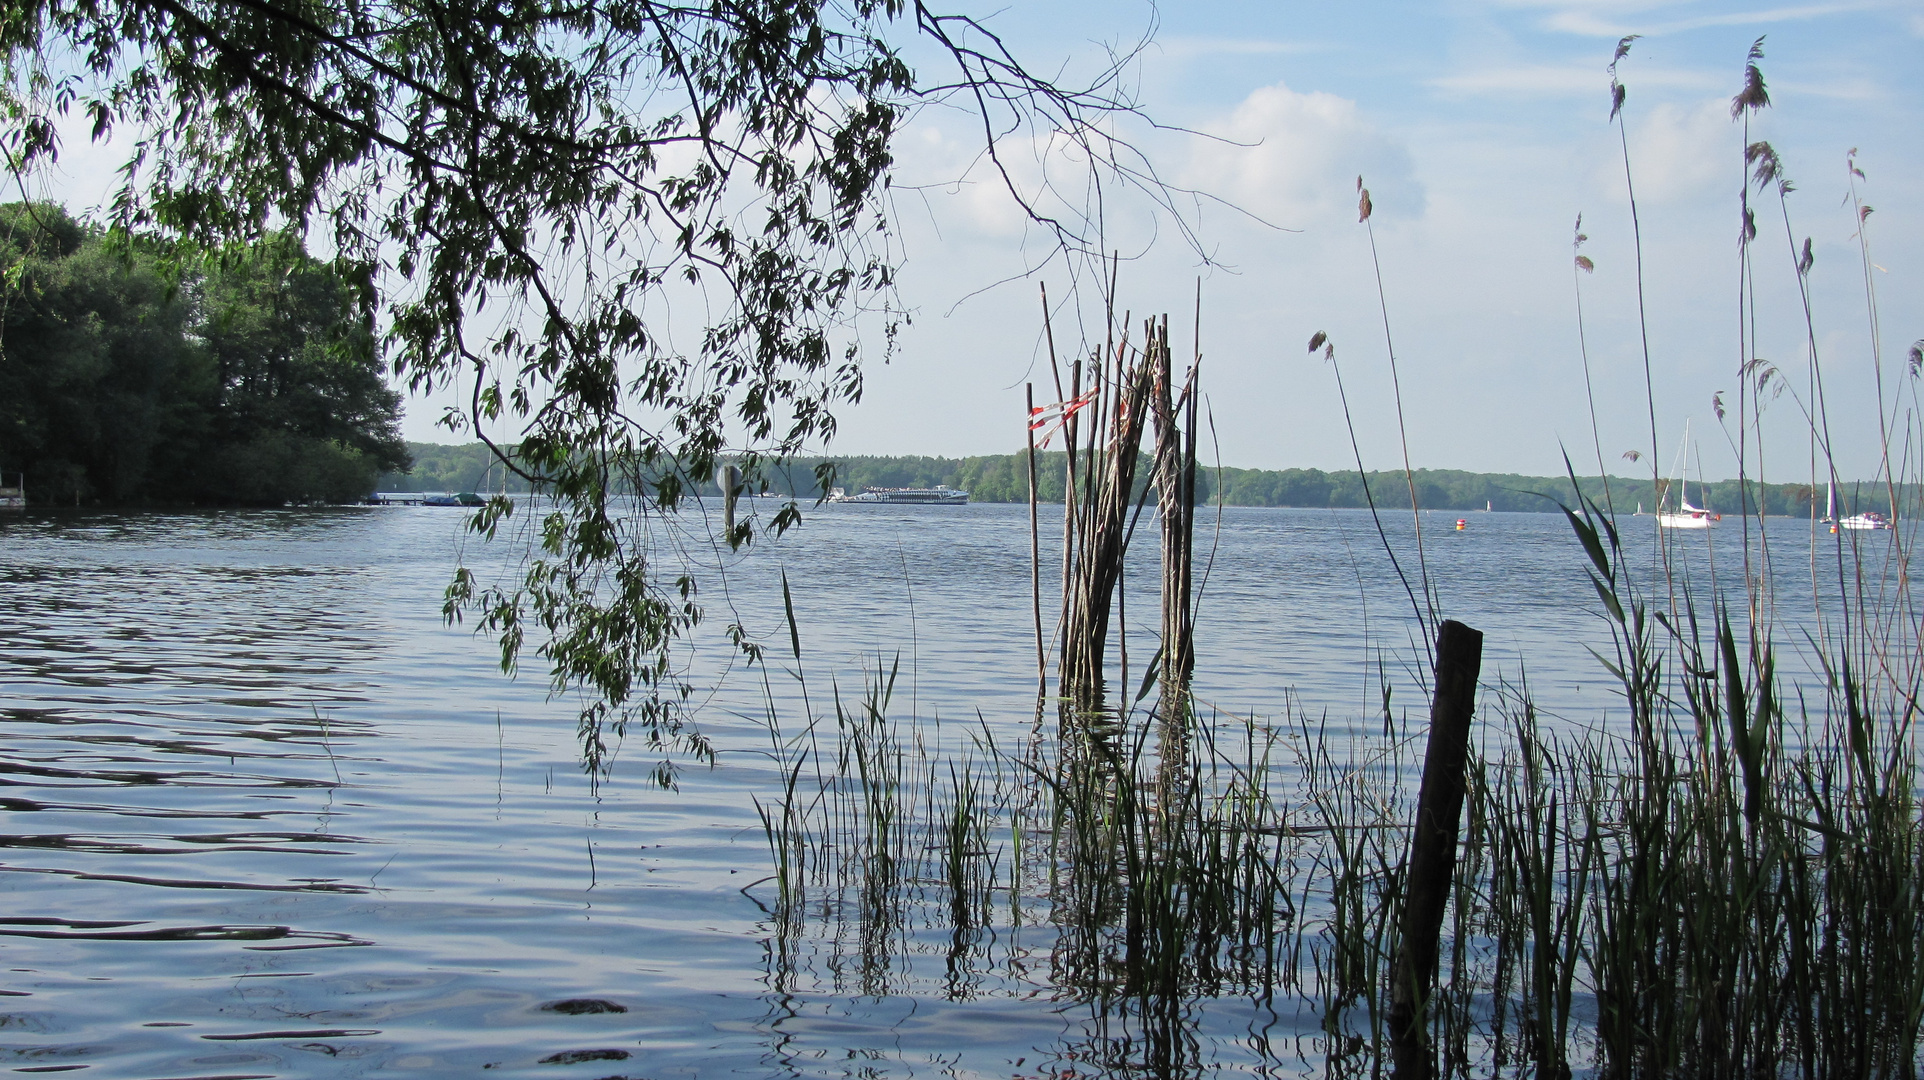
1432	859
729	479
1035	548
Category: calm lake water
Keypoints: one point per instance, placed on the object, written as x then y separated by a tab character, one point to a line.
265	815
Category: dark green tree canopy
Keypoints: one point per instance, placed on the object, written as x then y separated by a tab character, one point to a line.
561	174
137	372
293	351
97	376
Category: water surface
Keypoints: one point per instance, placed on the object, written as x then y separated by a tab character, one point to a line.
266	815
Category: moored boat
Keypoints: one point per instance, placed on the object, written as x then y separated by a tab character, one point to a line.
1870	519
1685	516
939	495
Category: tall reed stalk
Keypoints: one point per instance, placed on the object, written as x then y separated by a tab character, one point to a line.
1726	878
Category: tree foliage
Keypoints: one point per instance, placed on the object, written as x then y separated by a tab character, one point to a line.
134	374
522	190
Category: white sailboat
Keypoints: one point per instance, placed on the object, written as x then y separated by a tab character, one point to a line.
1685	516
1869	519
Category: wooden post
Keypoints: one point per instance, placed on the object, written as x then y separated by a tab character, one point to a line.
1432	858
1035	552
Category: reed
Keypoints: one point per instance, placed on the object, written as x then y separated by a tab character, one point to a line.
1725	880
1618	907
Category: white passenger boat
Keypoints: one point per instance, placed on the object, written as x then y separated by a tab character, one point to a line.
939	495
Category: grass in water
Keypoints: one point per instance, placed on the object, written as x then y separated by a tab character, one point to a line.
1726	880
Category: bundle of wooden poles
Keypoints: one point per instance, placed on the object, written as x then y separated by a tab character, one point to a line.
1111	399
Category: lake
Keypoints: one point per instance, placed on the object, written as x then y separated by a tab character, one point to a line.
266	815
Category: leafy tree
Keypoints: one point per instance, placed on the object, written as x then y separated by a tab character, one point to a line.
97	377
562	173
303	411
134	373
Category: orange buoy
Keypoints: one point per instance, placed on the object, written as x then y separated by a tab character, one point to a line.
1461	524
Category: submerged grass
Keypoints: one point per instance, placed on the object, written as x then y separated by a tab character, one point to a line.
1728	880
1639	904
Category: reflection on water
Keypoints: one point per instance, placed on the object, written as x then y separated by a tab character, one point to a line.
264	815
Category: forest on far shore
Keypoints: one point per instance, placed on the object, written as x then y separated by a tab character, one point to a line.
139	371
1005	478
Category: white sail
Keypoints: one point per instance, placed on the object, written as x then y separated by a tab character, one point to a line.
1685	516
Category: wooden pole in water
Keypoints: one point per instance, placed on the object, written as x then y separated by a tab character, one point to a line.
728	478
1432	858
1068	478
1035	556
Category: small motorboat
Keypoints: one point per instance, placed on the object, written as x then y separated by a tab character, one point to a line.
1870	519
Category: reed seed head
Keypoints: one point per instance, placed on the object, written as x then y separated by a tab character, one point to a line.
1623	50
1616	87
1753	96
1766	167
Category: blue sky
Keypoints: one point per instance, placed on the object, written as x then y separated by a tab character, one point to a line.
1482	129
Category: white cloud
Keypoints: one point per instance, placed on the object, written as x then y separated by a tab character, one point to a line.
1683	152
946	176
1589	18
1288	157
1193	48
1532	80
1845	89
1565	80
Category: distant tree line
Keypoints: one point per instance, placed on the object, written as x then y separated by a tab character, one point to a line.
1005	478
138	371
441	467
